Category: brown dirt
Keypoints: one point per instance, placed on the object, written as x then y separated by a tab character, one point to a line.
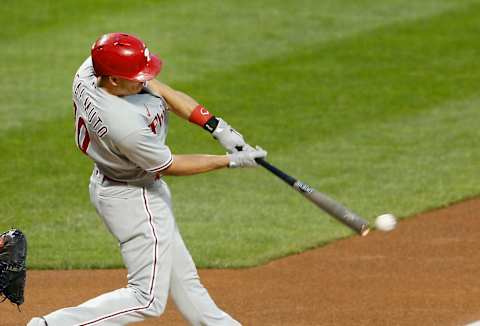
425	272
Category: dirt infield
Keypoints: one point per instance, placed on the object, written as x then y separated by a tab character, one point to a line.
426	272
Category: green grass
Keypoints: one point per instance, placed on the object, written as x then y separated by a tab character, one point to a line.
375	104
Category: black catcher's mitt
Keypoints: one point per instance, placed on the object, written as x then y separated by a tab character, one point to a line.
13	271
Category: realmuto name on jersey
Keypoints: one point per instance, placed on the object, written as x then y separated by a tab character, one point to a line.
93	119
95	122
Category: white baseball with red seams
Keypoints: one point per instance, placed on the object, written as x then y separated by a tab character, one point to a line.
125	137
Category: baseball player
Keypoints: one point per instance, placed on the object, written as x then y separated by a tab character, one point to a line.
121	120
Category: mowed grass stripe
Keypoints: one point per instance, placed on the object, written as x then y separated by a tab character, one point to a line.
396	70
47	41
256	218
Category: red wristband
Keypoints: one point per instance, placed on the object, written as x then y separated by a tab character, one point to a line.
200	116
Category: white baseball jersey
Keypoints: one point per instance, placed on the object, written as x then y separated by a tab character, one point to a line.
124	136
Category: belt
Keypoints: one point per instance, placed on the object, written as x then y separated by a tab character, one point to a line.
102	177
112	180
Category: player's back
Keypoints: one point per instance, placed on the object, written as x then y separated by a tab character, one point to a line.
110	128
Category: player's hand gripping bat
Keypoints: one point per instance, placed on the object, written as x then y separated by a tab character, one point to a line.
326	203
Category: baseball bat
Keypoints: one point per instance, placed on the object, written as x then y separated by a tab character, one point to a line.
327	204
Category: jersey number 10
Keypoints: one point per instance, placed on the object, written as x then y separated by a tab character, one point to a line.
82	137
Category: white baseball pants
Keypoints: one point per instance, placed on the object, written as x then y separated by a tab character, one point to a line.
155	255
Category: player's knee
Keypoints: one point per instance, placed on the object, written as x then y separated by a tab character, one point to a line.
37	322
157	307
154	307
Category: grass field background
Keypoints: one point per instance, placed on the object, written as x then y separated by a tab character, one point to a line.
373	102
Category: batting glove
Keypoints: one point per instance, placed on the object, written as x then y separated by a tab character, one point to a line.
228	137
246	158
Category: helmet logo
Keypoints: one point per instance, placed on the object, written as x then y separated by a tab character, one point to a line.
147	54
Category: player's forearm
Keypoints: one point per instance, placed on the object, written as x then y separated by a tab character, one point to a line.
180	103
187	108
195	164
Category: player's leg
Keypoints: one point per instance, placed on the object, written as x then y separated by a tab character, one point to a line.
188	293
139	219
37	322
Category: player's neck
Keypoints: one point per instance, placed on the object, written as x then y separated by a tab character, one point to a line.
108	86
120	87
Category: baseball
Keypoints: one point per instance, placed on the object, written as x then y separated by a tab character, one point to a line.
385	222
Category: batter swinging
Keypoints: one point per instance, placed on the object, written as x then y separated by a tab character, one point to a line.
121	117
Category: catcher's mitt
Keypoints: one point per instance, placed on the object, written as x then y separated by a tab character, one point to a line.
13	271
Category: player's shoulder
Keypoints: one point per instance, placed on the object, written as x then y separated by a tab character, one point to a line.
86	71
84	81
128	115
122	116
146	98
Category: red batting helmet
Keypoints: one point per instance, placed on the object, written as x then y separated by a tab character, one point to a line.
125	56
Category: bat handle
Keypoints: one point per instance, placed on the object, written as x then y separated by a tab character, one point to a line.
279	173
